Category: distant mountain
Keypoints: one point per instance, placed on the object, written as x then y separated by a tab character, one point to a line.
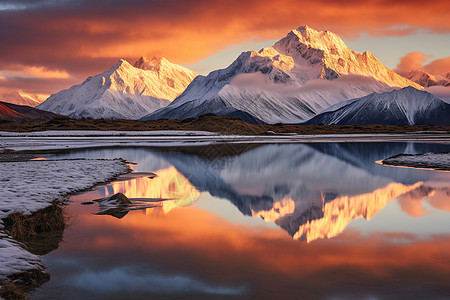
407	106
425	79
21	98
290	82
13	112
123	91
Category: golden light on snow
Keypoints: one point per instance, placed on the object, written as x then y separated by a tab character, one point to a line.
339	212
279	209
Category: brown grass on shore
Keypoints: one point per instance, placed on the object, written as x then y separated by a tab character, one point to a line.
224	125
19	284
11	291
39	232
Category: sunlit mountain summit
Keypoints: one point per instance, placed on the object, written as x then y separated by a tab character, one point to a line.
301	75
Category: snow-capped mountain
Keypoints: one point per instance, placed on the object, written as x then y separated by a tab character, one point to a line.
290	82
21	98
425	79
123	91
407	106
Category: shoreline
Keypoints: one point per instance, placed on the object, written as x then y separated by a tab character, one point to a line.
41	142
212	123
427	161
21	269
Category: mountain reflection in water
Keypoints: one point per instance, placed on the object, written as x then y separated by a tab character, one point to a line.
311	190
209	240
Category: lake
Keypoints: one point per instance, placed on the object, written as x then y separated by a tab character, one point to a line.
251	221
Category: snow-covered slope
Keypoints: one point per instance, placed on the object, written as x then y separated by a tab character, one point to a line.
425	79
407	106
301	75
21	98
123	91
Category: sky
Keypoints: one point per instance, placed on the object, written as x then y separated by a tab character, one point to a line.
49	45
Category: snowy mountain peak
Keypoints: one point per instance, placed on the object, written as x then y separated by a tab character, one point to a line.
328	57
20	98
323	40
153	64
301	75
407	106
123	91
426	79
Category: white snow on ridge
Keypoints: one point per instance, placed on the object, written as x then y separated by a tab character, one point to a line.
407	106
123	91
426	79
298	77
21	98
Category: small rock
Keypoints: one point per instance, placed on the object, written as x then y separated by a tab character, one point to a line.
120	198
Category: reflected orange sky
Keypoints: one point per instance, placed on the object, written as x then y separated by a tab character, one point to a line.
413	202
194	241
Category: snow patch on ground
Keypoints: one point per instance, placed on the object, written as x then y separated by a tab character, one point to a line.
28	186
14	259
42	143
84	133
437	161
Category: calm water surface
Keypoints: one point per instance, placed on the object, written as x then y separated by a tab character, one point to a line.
292	221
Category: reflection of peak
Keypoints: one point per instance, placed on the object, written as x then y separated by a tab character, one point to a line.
292	185
339	212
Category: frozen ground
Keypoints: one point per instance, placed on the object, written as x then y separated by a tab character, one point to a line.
14	259
437	161
71	140
108	133
28	186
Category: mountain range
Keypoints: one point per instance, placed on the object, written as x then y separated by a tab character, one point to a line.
123	91
21	98
299	76
426	79
306	73
407	106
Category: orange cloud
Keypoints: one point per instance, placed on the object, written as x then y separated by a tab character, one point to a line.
85	37
414	61
411	61
34	71
438	66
